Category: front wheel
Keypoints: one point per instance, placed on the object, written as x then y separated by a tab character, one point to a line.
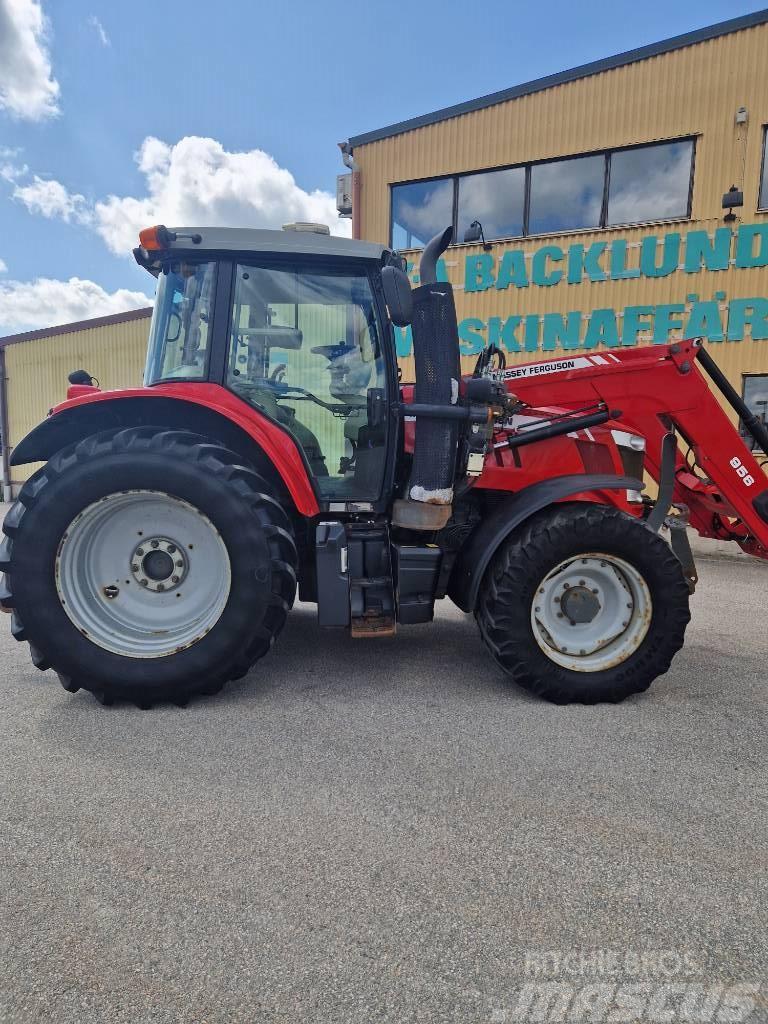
585	605
147	565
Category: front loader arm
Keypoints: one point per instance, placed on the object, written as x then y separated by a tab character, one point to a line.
658	390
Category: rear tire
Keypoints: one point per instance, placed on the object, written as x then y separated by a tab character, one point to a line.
632	603
79	519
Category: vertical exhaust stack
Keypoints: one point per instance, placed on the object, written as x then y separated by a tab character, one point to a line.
429	499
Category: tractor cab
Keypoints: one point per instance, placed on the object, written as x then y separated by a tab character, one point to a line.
293	324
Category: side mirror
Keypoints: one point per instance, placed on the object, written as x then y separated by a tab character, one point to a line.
80	377
398	296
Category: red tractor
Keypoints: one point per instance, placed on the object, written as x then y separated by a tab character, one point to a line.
157	553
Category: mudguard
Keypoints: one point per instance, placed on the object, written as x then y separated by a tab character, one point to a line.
205	408
476	555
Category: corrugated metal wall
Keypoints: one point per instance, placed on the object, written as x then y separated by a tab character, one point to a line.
37	371
693	91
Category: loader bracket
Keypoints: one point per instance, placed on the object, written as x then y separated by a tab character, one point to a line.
681	546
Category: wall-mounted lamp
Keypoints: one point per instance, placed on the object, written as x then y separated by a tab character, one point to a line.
732	199
474	233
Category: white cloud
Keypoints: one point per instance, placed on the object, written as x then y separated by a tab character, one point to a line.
196	182
52	200
27	87
26	305
10	169
3	267
100	31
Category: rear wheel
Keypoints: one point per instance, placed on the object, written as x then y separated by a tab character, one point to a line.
585	605
147	565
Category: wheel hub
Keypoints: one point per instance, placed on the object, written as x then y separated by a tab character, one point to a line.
579	604
591	612
159	564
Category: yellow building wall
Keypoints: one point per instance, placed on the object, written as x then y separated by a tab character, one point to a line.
694	91
37	372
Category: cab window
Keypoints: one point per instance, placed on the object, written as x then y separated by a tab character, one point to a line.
305	350
181	323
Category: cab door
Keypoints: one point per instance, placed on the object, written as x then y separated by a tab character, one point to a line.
306	348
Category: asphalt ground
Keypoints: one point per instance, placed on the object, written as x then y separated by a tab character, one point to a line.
385	831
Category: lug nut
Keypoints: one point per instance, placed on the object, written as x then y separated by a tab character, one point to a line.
566	586
175	579
560	615
134	568
171	549
143	583
179	565
140	551
582	583
161	586
155	543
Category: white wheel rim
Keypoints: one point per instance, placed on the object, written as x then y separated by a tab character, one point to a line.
591	612
143	574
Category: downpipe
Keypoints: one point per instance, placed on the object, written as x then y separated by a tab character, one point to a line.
5	449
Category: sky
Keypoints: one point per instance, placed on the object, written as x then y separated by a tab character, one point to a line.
116	116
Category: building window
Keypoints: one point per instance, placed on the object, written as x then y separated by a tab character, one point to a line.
567	195
650	183
420	210
496	199
755	393
633	185
763	200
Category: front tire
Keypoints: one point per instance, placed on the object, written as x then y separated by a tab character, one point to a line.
584	605
147	565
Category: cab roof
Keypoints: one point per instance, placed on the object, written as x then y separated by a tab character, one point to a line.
301	241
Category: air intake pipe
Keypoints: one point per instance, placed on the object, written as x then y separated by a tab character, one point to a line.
429	499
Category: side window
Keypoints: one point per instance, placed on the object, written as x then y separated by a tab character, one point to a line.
306	351
650	182
756	396
496	199
181	322
566	194
419	210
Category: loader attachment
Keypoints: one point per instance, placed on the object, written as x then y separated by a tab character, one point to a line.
709	475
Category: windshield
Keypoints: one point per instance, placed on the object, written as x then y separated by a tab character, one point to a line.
181	322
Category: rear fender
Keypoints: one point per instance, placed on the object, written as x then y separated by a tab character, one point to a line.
476	555
207	409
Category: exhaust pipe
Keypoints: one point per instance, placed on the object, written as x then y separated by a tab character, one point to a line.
429	500
433	250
